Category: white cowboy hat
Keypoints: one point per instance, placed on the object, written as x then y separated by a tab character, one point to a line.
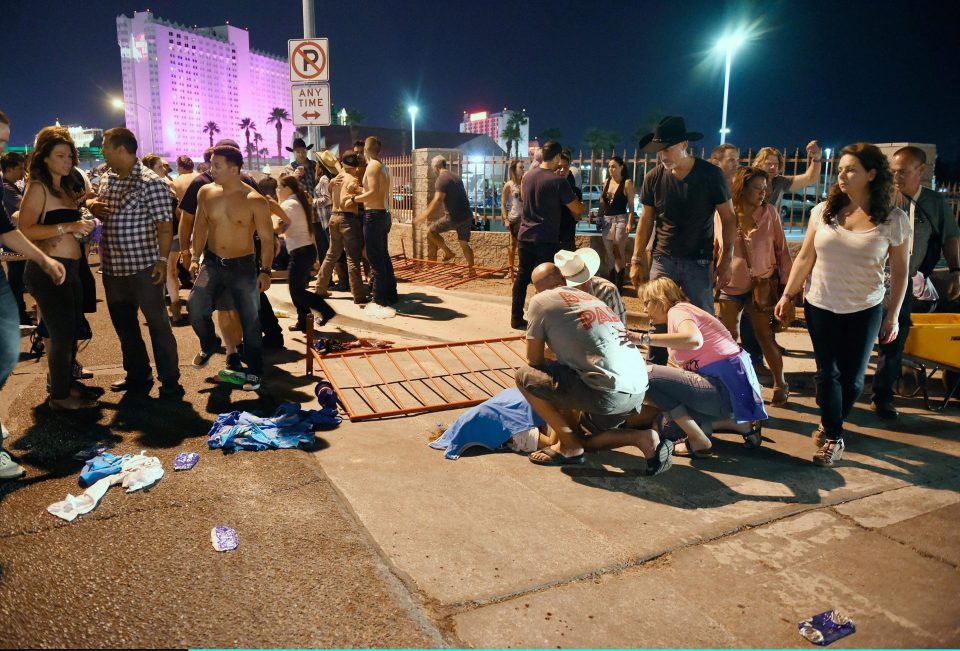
578	266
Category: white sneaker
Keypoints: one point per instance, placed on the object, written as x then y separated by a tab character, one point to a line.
381	311
9	469
830	451
6	432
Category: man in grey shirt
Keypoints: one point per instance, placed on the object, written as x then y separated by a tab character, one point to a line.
594	373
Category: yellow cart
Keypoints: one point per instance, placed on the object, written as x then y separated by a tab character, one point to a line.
934	345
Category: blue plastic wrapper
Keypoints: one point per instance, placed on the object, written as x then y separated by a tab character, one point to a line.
826	628
224	539
185	460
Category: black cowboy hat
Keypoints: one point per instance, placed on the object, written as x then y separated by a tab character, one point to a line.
671	130
298	143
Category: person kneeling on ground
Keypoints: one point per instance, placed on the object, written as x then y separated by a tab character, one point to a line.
715	386
592	374
579	269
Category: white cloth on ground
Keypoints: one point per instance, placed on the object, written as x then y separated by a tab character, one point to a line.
137	472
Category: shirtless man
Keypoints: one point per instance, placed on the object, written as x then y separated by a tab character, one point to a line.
346	230
376	225
228	213
185	175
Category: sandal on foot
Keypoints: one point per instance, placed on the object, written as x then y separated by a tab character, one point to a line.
555	458
754	438
780	397
690	453
662	459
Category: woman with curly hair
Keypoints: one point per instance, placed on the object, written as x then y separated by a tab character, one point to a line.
760	256
50	218
850	238
771	161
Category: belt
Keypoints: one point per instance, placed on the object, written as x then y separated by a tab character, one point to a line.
376	211
344	213
212	257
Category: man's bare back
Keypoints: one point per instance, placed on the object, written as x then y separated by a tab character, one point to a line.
231	218
182	182
375	179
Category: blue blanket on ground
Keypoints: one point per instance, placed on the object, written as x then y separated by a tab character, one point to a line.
289	427
489	424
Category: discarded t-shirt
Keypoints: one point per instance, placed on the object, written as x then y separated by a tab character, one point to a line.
289	427
490	424
101	466
134	472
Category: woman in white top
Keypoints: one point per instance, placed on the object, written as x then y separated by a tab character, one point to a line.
511	208
849	239
302	250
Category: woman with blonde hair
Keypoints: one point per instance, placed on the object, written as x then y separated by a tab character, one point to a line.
761	264
770	160
710	382
50	218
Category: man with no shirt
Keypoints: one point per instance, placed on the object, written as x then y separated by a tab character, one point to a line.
376	224
228	213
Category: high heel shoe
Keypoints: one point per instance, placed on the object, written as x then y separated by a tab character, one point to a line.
754	438
780	396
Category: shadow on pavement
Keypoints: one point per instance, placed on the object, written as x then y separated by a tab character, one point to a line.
419	305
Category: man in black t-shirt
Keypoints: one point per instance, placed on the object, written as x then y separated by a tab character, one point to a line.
451	204
544	196
679	197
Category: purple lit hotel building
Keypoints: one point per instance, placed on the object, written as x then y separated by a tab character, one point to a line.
176	79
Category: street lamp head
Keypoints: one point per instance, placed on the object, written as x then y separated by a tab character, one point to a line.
731	42
413	111
116	103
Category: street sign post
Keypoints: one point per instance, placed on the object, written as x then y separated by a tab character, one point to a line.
309	59
311	104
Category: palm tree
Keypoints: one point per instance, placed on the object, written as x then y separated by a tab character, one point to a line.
277	117
511	133
257	142
600	140
211	127
400	115
553	133
248	125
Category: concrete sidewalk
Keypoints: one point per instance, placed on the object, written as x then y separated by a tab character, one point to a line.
374	539
726	552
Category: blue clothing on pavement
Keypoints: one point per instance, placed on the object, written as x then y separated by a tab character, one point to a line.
737	375
101	466
490	424
289	427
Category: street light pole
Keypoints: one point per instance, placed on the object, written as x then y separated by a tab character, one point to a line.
413	128
726	95
120	105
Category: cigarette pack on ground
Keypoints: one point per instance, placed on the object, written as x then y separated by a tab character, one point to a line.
828	627
185	460
224	539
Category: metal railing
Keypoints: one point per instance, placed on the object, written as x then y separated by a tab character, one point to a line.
484	177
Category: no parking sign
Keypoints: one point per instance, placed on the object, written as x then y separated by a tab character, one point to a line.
309	59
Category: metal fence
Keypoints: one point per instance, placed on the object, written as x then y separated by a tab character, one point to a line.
484	178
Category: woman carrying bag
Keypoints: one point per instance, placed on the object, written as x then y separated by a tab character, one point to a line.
760	267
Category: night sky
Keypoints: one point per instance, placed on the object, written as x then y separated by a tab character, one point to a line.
837	71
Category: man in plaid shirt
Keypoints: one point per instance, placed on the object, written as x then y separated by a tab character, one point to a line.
136	208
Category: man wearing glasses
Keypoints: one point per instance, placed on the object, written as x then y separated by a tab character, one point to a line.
934	230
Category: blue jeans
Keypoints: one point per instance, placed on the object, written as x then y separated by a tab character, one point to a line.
695	278
842	344
376	226
9	330
239	277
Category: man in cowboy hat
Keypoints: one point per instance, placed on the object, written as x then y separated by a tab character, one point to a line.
302	167
579	270
679	197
